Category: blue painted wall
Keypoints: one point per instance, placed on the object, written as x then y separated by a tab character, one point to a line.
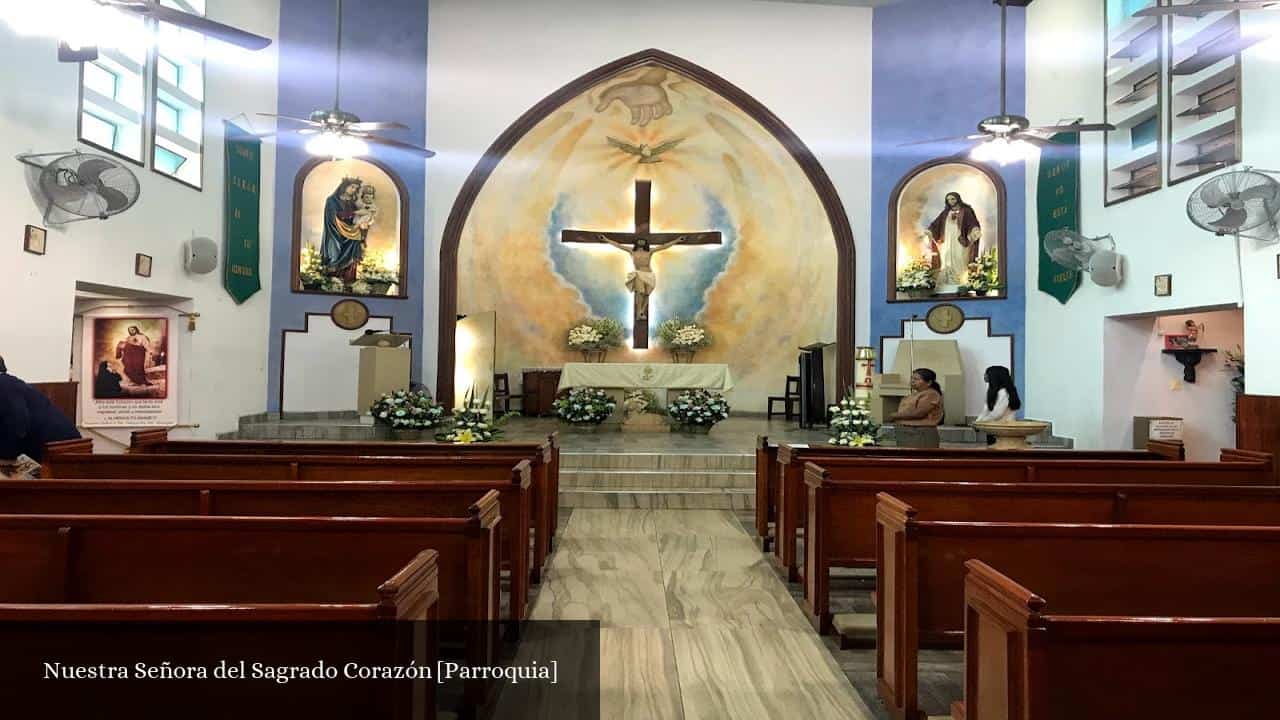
936	73
384	77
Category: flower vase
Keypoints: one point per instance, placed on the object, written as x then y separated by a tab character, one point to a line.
682	356
406	434
695	429
594	356
919	293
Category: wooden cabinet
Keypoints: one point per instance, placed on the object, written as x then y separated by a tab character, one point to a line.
538	387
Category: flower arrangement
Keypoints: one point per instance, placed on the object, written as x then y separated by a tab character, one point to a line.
695	409
407	410
376	274
311	274
917	276
585	406
595	334
471	424
851	424
679	334
984	273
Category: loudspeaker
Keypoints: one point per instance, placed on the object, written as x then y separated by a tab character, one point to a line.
200	256
1106	268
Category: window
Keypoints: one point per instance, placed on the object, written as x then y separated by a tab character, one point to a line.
130	93
1145	133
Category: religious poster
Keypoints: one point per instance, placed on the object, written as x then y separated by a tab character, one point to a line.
127	374
946	232
351	230
243	170
1058	208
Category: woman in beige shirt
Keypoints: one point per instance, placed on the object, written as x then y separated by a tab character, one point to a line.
920	413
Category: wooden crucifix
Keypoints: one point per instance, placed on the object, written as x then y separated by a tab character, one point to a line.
641	244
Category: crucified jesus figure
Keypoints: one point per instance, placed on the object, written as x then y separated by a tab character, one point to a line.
642	281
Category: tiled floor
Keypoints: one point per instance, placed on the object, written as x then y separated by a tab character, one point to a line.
694	621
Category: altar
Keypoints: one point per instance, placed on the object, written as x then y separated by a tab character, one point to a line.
619	378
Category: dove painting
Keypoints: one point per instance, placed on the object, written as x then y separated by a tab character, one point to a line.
643	152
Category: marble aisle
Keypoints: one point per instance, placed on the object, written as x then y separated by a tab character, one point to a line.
694	622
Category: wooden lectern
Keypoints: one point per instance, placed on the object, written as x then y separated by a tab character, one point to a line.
813	385
384	366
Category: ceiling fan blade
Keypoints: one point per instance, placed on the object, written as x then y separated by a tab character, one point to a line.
202	25
1202	8
1231	220
368	126
290	118
958	138
90	171
1072	127
399	145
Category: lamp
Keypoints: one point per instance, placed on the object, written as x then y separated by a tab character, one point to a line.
865	357
337	145
1002	150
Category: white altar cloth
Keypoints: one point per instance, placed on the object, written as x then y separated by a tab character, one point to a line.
671	376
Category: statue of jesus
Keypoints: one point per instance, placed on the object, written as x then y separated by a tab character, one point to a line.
641	281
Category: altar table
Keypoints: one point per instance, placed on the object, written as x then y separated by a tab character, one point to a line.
668	376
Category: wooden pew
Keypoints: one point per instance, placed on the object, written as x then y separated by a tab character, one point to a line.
118	559
512	480
1058	657
1211	571
766	488
258	498
1061	466
544	456
840	528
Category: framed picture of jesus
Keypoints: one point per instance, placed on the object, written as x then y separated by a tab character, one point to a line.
350	229
947	233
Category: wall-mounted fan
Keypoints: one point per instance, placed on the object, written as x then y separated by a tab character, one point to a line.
1201	7
1097	256
1241	203
339	134
172	16
81	186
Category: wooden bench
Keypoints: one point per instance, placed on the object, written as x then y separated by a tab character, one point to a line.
544	457
257	498
501	471
766	488
1059	657
1211	571
840	529
1038	466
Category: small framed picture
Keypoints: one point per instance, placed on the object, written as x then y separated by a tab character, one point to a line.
33	240
1164	285
142	265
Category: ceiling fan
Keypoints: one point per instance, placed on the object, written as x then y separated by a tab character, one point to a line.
1009	138
1201	8
68	52
339	134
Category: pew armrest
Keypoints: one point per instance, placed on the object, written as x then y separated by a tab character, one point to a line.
999	613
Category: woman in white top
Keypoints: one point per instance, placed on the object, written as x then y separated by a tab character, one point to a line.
1003	402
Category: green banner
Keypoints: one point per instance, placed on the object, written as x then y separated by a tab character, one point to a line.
243	175
1057	208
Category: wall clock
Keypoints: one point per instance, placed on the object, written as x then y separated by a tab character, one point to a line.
944	319
349	314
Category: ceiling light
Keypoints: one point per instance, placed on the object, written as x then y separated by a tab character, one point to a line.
1003	151
338	146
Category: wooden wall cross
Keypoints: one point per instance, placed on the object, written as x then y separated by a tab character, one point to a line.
641	243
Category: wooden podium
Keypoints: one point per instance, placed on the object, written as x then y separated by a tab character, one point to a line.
384	366
813	385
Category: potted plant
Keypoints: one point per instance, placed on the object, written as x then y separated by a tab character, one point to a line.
594	337
683	338
696	411
585	408
471	424
406	413
984	275
918	279
850	423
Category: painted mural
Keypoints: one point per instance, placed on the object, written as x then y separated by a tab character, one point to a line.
755	261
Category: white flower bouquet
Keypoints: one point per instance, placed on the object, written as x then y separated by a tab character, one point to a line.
407	410
585	406
917	275
683	335
595	334
471	424
698	408
850	423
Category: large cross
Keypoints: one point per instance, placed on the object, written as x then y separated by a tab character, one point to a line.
644	196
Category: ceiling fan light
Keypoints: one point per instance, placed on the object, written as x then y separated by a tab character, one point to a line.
337	145
1003	151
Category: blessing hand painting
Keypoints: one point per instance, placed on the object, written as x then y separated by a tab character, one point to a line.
350	231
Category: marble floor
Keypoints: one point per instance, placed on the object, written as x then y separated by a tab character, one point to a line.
694	621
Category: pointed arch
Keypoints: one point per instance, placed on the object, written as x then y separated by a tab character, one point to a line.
493	156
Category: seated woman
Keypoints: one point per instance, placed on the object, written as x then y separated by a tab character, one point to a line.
1003	402
106	382
920	413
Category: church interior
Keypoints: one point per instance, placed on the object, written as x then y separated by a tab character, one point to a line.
871	359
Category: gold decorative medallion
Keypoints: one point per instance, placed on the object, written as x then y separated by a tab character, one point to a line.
944	319
349	314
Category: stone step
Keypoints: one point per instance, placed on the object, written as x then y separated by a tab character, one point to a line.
657	461
600	479
667	499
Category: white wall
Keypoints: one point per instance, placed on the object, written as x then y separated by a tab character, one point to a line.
1065	344
321	369
226	368
1142	381
491	61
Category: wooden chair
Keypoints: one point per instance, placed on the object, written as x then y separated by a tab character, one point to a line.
502	396
790	401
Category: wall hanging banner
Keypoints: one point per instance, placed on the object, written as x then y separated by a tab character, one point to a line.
1057	208
243	178
129	368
